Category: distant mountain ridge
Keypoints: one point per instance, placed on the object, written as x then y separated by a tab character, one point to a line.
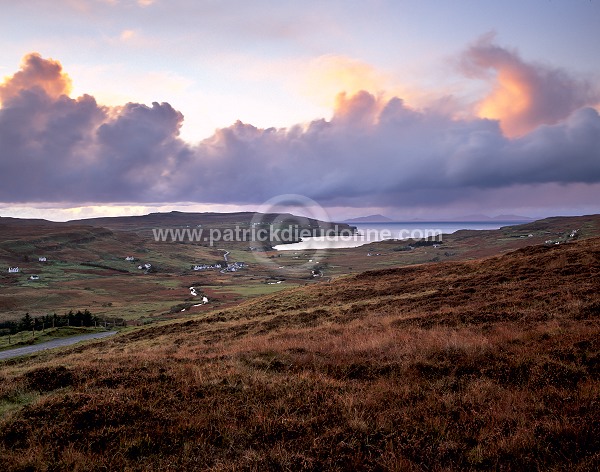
178	218
493	218
370	219
481	218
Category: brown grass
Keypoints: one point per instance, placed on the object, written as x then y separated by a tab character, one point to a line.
490	364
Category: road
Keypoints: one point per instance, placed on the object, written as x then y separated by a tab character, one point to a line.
22	351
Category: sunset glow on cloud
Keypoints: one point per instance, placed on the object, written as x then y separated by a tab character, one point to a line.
375	151
193	103
328	76
524	95
36	72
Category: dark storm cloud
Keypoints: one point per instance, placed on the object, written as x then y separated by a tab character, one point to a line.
373	151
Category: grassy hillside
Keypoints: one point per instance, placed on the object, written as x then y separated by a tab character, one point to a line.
86	267
478	365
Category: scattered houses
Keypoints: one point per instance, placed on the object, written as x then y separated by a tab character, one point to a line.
42	259
34	277
194	293
130	258
206	267
234	267
13	270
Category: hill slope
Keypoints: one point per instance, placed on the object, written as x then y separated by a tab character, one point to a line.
477	365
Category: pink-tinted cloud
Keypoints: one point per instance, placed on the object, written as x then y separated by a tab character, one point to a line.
35	72
524	95
374	151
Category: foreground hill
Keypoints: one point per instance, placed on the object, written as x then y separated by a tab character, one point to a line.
486	364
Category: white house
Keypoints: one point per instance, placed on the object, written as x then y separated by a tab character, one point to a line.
34	277
147	266
13	270
42	259
130	258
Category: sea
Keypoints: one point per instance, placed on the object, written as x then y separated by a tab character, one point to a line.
373	232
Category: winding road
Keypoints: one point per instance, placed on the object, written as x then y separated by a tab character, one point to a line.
22	351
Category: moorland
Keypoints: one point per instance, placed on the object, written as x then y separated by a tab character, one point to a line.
480	354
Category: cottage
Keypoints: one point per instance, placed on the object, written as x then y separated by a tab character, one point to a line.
13	270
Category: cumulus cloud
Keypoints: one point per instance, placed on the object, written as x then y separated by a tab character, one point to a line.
374	151
525	95
55	148
37	72
380	151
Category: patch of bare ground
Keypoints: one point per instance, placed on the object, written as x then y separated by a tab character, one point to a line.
488	364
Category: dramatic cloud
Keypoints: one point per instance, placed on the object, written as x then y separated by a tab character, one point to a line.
36	72
378	151
525	95
54	148
373	152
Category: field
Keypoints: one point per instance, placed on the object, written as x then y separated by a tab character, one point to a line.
86	266
484	364
86	269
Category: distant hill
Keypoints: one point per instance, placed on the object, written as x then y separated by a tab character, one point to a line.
178	218
480	218
511	218
370	219
10	221
493	218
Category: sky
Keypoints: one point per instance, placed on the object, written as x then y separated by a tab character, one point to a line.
411	109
